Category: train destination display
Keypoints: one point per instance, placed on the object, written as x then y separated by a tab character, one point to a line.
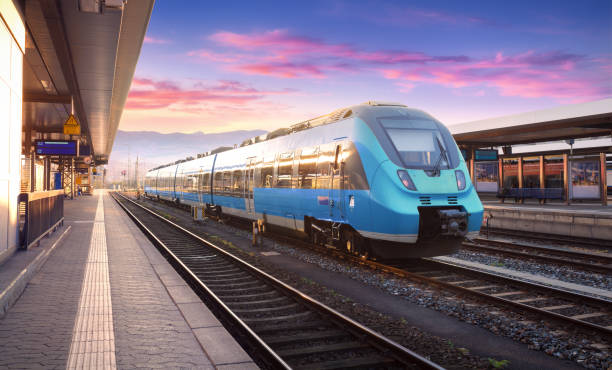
56	147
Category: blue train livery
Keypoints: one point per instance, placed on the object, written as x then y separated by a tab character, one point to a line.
376	179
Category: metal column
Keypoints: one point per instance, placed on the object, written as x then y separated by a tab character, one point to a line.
72	178
542	177
520	176
566	187
32	172
603	179
67	169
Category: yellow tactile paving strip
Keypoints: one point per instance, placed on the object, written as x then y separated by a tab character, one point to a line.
93	339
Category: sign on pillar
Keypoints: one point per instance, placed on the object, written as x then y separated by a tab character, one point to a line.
71	126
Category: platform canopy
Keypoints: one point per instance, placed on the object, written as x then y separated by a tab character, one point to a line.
85	50
592	119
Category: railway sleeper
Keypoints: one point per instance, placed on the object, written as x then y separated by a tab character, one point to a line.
232	285
229	279
260	302
229	290
247	296
304	337
361	362
293	326
266	309
216	272
325	348
279	319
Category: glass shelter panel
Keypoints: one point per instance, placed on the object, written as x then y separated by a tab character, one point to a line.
486	175
510	173
553	171
531	172
585	179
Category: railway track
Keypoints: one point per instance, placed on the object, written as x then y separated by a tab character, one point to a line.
561	306
577	310
587	261
560	239
282	327
580	311
584	312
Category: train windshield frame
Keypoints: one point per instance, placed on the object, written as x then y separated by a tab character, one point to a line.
418	141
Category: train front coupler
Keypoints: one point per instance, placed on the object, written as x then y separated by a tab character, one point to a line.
453	222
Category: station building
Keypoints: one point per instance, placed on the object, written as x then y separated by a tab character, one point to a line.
65	71
562	154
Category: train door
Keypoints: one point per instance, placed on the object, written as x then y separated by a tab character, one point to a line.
249	184
336	189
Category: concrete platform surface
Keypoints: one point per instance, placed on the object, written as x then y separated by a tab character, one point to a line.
106	298
594	209
589	221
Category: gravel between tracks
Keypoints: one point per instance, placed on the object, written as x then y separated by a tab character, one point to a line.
564	344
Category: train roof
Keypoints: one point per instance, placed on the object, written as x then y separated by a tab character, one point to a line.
326	119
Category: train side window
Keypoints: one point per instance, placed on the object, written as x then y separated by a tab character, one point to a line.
355	177
285	169
237	183
267	173
337	181
337	157
227	182
218	183
307	170
191	183
326	153
206	183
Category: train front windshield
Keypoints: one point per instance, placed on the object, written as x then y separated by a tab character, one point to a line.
418	141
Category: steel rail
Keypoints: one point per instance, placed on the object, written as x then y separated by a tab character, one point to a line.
399	352
543	254
588	243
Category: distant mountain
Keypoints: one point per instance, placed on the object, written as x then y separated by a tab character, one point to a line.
154	148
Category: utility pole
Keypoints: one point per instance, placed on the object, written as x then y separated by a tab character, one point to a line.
128	169
136	172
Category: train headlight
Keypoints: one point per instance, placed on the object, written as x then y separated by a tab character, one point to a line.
406	180
460	179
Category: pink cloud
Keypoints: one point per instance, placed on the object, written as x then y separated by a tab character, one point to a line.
285	70
280	54
533	73
529	75
153	40
212	56
272	40
149	94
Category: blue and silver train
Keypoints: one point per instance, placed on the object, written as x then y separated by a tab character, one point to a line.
377	179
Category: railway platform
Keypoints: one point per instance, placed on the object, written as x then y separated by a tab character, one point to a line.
96	293
585	221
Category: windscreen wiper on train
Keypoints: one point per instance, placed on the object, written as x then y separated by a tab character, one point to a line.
436	169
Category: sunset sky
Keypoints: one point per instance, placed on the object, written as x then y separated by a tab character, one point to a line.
222	66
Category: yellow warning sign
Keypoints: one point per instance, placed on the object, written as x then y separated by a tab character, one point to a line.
71	126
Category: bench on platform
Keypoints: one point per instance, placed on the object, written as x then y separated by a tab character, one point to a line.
520	194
